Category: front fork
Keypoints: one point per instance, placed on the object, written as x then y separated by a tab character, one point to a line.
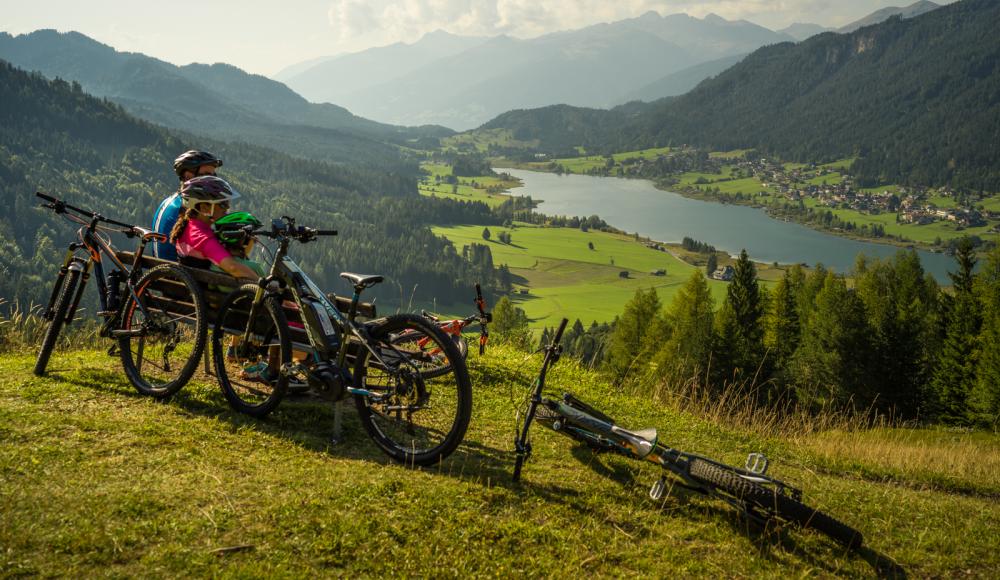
69	263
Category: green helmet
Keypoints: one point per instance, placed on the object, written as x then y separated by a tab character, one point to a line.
230	228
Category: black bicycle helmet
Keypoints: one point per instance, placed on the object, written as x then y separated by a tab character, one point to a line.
230	227
206	189
192	160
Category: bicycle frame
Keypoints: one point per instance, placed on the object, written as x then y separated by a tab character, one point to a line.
578	420
96	248
320	317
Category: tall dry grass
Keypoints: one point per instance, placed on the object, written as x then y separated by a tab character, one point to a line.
22	329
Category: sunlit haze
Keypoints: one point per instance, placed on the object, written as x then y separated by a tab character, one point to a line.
264	37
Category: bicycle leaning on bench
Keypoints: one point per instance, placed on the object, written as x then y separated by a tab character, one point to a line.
749	490
415	418
156	318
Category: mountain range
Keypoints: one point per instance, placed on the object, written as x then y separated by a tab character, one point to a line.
219	100
461	82
914	101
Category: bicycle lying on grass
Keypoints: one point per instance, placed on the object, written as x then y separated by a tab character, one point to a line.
749	490
453	328
159	350
416	417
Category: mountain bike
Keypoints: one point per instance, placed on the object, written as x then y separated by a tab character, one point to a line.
749	489
453	328
413	417
159	350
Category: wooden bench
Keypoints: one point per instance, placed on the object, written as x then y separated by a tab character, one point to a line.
212	285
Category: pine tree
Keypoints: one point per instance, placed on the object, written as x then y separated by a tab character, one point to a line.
985	397
740	324
627	352
829	366
901	310
782	328
713	263
688	350
955	374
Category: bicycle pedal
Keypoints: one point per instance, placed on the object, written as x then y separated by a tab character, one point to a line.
757	463
113	351
107	313
659	488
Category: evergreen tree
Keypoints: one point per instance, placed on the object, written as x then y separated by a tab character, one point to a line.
510	324
687	351
486	234
985	397
712	265
900	309
740	349
955	374
627	350
782	328
829	365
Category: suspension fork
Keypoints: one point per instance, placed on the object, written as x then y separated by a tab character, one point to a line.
60	278
79	291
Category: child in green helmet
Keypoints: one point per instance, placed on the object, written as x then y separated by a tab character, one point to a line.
230	229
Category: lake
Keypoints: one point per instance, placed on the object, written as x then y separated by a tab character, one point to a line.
635	205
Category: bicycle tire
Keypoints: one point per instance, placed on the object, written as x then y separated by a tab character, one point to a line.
251	395
156	288
771	501
440	425
438	357
59	311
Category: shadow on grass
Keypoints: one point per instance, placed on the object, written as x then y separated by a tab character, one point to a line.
308	422
767	537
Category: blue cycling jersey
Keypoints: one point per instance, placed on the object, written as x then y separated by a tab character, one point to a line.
163	221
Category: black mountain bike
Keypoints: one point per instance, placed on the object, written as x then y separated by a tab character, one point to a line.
749	489
415	418
159	351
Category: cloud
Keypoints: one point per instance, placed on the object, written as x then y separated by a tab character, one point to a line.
384	21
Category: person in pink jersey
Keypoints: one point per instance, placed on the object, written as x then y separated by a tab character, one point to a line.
205	200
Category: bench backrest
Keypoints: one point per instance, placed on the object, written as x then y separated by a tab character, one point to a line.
213	283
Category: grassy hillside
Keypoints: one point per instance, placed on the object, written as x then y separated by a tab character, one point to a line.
564	277
95	480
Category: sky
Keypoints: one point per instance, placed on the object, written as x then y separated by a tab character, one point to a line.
265	36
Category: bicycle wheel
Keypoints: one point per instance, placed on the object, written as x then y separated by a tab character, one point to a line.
162	329
434	359
59	311
774	503
249	372
417	419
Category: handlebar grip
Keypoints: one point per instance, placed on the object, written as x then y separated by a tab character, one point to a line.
46	197
326	232
559	332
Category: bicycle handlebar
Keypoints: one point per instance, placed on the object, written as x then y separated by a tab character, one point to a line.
60	206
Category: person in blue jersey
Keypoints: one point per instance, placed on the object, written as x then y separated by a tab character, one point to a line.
188	165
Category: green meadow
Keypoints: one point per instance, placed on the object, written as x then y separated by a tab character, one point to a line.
467	189
562	276
96	480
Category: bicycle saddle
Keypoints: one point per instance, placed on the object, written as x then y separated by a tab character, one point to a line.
642	441
361	280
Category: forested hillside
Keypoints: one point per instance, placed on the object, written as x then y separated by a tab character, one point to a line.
217	100
916	100
54	137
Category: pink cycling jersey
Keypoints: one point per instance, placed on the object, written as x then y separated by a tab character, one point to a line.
199	241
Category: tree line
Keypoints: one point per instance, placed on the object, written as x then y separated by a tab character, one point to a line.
886	339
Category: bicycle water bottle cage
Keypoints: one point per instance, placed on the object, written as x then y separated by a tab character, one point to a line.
757	463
